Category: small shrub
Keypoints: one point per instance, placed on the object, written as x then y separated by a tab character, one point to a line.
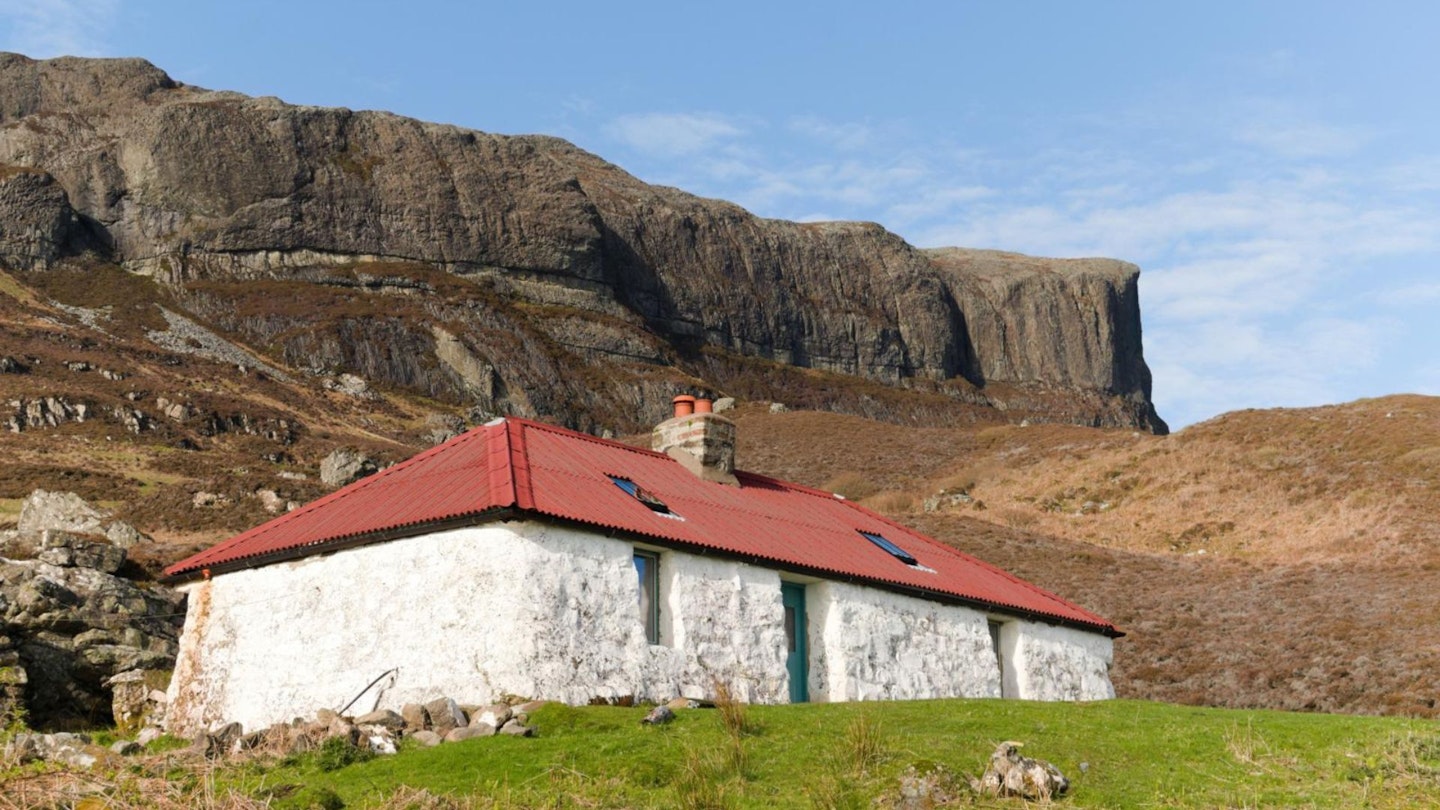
337	752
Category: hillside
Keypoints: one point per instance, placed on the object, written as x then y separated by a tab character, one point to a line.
1282	558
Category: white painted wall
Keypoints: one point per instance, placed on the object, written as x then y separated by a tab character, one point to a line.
869	644
1047	662
549	612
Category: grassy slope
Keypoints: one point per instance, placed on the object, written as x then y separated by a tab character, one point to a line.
1136	754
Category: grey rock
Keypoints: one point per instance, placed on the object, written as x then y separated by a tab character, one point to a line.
9	365
149	734
60	511
43	412
778	407
515	728
445	714
346	465
427	738
1010	774
724	404
351	386
659	716
219	742
381	717
123	535
64	549
37	224
22	749
206	500
126	748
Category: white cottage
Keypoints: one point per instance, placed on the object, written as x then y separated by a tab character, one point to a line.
524	559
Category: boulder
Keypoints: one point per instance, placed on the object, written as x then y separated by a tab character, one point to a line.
495	715
427	738
658	716
470	732
445	714
382	717
416	718
138	697
216	744
123	535
1010	774
60	511
64	549
126	748
69	630
346	465
515	728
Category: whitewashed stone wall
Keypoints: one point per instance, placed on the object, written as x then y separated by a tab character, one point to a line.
868	644
475	614
1046	662
542	611
726	620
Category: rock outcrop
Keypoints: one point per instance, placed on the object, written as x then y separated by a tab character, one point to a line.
70	627
550	257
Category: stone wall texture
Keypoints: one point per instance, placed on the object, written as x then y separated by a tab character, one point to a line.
539	611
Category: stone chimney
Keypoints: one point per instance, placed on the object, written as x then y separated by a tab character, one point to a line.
698	438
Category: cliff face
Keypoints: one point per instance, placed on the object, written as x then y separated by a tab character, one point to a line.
516	260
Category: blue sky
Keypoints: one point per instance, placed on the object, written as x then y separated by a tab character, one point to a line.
1273	167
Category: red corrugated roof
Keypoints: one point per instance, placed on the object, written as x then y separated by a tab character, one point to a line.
546	470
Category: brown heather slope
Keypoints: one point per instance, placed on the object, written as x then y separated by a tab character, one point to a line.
1312	581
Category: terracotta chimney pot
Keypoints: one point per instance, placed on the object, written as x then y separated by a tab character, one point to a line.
684	405
704	406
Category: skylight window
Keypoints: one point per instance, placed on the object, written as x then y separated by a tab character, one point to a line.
642	495
895	551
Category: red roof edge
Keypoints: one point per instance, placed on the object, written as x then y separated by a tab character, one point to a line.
199	561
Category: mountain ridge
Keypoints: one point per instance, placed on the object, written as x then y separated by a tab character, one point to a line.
196	187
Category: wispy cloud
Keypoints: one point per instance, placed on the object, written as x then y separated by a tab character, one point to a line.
674	134
47	28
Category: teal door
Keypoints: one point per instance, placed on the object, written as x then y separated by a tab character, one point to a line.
792	596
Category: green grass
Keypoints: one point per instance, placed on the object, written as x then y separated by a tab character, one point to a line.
1135	754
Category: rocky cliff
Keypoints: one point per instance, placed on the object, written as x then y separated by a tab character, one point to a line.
524	275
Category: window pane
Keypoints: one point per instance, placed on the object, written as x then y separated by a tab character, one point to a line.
884	542
647	571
